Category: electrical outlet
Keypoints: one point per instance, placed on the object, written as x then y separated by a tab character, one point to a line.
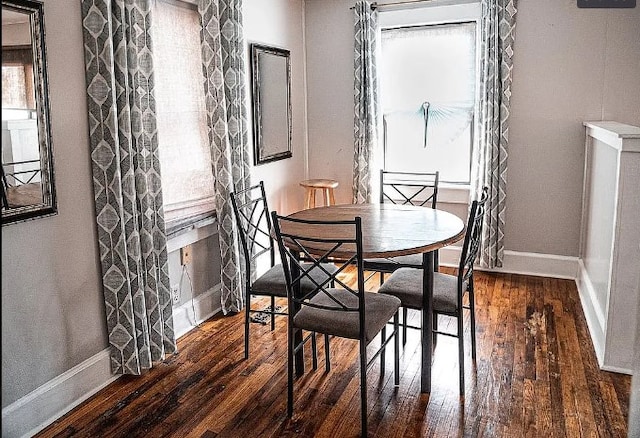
175	294
185	255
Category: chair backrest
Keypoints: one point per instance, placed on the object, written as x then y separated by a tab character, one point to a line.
318	242
254	224
409	188
472	237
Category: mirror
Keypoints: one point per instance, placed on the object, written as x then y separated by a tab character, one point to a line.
271	76
27	161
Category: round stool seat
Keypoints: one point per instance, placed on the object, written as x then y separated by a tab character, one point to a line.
326	185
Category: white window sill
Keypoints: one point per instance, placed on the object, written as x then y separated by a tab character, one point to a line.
196	232
188	224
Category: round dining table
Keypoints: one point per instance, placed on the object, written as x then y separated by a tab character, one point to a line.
390	230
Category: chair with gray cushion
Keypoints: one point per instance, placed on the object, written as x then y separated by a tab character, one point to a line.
253	221
448	290
340	310
405	188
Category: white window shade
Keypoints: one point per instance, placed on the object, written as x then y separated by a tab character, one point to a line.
428	89
185	157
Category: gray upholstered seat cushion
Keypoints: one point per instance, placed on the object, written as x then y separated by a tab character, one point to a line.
393	263
273	282
406	284
379	309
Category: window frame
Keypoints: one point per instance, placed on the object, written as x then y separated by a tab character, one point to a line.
475	107
428	14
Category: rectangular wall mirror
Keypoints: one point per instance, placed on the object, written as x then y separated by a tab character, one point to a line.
27	163
271	86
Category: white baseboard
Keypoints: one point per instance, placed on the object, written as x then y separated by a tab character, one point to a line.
41	407
36	410
204	305
525	263
592	312
596	322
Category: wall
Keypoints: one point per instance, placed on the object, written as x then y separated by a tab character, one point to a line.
570	65
17	34
281	24
52	303
53	321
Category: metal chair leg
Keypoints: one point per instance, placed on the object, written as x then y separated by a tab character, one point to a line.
383	337
396	348
327	359
246	326
461	351
472	309
363	387
314	350
273	315
290	349
435	329
404	326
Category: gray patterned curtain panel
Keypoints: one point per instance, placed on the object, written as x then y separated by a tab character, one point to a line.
126	181
366	120
498	33
223	57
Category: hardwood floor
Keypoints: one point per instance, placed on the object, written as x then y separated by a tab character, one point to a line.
536	376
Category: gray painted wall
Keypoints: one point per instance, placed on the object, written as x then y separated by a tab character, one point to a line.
52	303
570	65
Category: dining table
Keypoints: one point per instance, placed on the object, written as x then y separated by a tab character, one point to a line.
391	230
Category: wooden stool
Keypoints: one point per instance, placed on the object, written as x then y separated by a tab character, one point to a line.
326	185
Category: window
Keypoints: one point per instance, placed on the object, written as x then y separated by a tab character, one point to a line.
18	96
428	76
185	156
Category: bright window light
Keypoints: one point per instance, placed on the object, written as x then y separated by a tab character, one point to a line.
428	89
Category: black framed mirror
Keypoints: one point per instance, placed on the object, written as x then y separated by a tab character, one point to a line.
271	92
28	189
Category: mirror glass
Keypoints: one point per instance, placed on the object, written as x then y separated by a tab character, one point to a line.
27	167
271	72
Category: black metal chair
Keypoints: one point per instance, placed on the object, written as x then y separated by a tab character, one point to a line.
448	290
343	311
254	229
406	188
5	187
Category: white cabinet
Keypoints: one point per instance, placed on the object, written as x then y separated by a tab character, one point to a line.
610	241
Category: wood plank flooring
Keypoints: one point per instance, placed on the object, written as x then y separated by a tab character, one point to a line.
536	376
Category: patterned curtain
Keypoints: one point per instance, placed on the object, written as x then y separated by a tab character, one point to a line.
126	181
498	32
223	56
366	120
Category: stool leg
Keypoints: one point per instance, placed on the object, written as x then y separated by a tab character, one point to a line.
326	194
309	197
332	199
312	199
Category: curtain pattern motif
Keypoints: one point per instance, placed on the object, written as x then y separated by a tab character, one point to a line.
223	56
126	180
498	33
366	105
